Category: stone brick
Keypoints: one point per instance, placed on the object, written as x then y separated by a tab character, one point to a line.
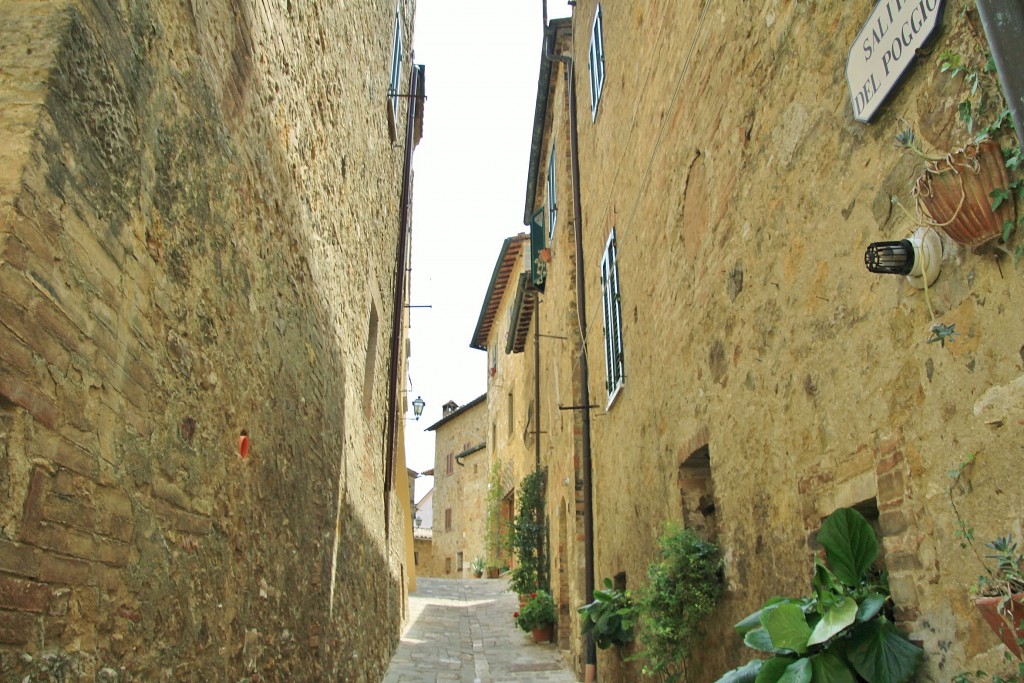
181	520
23	595
20	390
63	570
16	558
16	628
890	487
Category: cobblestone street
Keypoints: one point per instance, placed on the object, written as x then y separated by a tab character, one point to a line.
462	630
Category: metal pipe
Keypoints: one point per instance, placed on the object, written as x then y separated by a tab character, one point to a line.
401	257
1003	21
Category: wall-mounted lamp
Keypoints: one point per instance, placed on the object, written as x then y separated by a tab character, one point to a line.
919	257
417	407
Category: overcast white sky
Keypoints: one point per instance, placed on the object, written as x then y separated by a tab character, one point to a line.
482	62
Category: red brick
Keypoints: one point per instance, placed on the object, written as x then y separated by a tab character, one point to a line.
63	570
60	539
15	628
32	506
112	552
18	559
66	454
20	390
890	487
70	511
23	595
14	350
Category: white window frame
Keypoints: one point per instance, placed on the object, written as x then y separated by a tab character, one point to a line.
396	68
552	196
614	366
596	63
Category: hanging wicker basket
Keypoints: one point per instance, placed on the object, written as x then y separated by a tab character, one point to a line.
954	194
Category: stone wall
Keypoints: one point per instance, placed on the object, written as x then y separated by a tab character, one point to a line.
769	378
199	207
458	496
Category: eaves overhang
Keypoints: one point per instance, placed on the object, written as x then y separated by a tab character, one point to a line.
455	413
556	28
503	273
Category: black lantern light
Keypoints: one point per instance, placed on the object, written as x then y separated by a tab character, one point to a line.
417	407
895	257
919	257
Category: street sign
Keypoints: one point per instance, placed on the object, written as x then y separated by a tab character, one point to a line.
885	48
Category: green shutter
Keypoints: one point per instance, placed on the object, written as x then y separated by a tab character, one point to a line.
538	241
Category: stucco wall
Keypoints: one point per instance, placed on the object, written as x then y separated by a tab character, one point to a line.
198	225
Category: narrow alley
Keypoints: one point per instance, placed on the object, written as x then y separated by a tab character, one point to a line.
462	630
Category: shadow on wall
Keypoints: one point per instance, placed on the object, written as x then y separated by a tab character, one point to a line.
165	285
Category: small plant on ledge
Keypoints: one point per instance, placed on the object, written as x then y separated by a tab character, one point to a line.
610	617
1000	593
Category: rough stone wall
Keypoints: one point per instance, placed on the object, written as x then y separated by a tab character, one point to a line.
198	228
742	192
459	491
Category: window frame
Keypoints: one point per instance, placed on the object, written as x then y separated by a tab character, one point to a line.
552	199
396	72
596	63
611	307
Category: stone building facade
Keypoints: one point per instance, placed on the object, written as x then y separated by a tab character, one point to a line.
460	481
746	375
201	288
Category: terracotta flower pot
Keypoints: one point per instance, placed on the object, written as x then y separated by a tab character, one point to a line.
493	572
542	634
954	193
1008	625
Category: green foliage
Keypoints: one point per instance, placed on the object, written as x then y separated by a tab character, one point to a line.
528	536
610	617
538	611
494	544
477	565
943	333
840	634
683	587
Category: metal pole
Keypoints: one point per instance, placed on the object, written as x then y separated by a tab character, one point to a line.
1003	21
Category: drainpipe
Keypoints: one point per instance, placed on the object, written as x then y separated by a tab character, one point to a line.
401	257
1003	21
590	659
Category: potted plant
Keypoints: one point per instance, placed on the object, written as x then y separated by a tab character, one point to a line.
956	191
538	616
493	571
683	587
1000	594
841	631
477	565
610	617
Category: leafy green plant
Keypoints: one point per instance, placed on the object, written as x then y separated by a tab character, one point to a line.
494	543
840	633
1006	576
610	617
528	536
538	611
477	565
683	587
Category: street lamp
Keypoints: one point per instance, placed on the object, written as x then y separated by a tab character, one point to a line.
417	407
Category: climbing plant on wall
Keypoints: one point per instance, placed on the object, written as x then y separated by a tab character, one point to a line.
528	536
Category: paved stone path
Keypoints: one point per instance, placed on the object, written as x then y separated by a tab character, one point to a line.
462	630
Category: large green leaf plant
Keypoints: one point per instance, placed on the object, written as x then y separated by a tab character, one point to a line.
840	634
